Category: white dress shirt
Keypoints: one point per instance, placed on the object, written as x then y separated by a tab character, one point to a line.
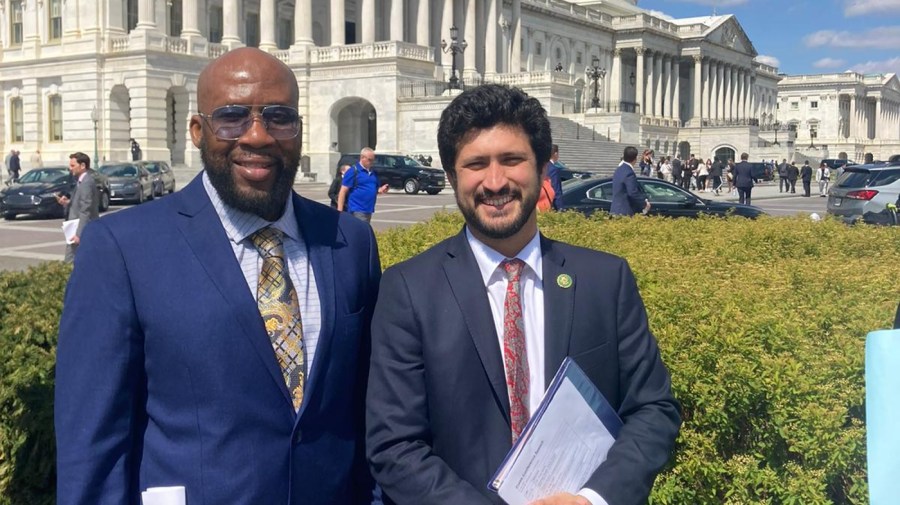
239	226
532	300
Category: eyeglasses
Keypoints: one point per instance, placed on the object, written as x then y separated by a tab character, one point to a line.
230	122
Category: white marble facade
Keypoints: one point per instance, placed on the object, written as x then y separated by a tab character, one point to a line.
372	72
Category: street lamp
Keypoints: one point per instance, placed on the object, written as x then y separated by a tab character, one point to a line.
812	137
777	126
94	118
455	47
595	73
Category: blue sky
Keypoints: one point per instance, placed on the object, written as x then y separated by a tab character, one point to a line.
809	36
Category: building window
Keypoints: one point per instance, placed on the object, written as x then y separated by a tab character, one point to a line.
795	105
17	126
538	48
131	14
56	123
813	131
349	32
814	105
285	33
251	26
15	22
578	58
55	19
558	53
215	24
174	17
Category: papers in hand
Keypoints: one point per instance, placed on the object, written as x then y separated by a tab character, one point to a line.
70	228
565	441
173	495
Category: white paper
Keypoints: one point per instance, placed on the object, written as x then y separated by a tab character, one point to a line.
69	229
173	495
561	452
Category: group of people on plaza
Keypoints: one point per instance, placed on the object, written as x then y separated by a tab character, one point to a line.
250	349
13	164
789	174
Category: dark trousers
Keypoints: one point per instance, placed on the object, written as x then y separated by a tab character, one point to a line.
783	184
716	183
364	216
676	178
806	187
686	181
744	195
793	185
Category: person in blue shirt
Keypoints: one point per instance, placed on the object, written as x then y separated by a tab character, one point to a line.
359	187
553	174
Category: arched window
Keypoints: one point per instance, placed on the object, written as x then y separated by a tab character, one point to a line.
55	119
17	122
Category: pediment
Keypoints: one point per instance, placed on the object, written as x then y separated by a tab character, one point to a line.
729	33
893	83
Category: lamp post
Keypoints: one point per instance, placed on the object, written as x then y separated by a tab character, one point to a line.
455	47
777	126
595	73
94	118
812	138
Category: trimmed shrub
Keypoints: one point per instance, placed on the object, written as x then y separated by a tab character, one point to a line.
761	323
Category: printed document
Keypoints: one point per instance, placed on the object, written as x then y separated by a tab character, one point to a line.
69	229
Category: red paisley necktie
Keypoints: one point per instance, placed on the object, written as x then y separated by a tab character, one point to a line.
514	356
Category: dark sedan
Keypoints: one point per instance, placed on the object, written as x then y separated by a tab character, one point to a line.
35	194
128	182
591	195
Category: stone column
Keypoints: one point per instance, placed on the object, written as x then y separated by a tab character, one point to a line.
189	19
423	23
658	87
670	76
146	19
529	49
880	119
735	93
753	98
639	81
267	25
446	23
698	90
740	94
650	88
615	80
303	23
515	58
490	40
337	13
475	42
706	98
720	91
729	92
854	117
367	18
676	98
231	11
397	20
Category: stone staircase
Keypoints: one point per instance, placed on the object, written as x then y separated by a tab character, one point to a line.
580	148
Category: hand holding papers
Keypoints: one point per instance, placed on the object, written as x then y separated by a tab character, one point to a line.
173	495
69	229
565	441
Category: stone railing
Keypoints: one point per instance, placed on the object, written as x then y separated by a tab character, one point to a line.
216	50
176	45
642	21
573	9
118	44
360	52
282	54
544	77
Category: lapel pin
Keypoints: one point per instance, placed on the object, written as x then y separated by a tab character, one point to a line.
564	281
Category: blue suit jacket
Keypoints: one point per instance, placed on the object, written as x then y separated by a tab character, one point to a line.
555	181
627	196
165	374
438	405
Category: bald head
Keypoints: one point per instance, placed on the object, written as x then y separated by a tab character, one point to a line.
241	70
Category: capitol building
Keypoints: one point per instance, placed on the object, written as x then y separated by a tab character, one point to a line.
76	74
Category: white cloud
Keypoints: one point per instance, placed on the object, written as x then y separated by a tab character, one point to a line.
768	60
863	7
878	67
829	63
883	37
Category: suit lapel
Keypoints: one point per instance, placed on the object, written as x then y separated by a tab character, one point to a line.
203	231
471	296
559	306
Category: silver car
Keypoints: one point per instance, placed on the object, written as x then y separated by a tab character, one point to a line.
864	188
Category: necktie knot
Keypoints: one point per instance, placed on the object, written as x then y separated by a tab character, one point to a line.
268	242
513	269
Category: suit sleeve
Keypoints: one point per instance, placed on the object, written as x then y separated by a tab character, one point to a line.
650	413
100	383
398	437
84	197
636	197
556	182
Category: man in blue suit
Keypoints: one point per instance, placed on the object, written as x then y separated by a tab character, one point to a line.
218	340
627	195
553	173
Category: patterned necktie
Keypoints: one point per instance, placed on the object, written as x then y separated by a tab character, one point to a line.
514	356
280	310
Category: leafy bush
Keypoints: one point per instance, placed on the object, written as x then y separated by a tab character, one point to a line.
762	324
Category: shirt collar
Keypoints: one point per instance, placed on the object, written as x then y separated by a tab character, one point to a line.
488	259
239	224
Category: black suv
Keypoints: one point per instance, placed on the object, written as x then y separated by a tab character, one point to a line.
398	171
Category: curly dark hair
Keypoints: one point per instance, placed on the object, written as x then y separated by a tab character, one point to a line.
486	106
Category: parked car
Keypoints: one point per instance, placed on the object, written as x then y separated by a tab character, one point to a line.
666	199
863	189
162	176
833	163
402	172
128	182
35	193
566	173
762	171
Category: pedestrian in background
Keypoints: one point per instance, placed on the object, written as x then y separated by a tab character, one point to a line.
677	170
335	187
715	173
646	164
36	160
784	184
359	189
806	177
627	195
84	203
702	175
792	174
743	179
823	174
135	150
553	174
14	165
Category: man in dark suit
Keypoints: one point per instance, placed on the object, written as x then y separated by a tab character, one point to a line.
553	173
467	335
84	203
627	195
792	174
219	339
743	179
806	177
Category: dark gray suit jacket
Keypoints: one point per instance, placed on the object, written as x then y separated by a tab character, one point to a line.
84	204
437	405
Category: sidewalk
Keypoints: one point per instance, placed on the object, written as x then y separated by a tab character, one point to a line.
761	191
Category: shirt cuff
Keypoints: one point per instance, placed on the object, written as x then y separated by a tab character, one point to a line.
592	496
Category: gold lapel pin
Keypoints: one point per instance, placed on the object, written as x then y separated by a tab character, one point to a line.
564	281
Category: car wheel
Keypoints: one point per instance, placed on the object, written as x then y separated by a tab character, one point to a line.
411	186
140	198
104	202
9	216
172	189
433	191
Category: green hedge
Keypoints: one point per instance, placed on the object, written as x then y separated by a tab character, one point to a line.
762	324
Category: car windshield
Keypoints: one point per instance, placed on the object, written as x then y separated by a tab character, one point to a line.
886	177
664	193
55	175
119	171
856	178
153	168
410	162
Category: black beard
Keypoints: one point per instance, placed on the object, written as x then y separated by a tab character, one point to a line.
267	205
529	203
